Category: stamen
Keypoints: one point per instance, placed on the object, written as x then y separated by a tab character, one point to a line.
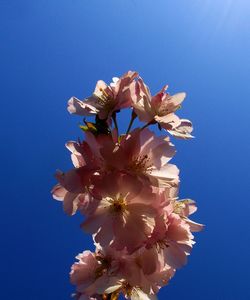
141	164
105	100
163	109
104	92
179	206
116	205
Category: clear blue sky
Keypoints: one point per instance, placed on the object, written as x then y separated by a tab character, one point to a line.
51	50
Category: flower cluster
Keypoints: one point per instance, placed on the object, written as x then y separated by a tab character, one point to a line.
127	190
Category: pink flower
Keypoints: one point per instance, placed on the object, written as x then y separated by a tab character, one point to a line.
170	242
95	273
106	99
75	186
86	164
142	155
127	190
124	215
135	270
85	271
147	156
184	208
109	271
160	109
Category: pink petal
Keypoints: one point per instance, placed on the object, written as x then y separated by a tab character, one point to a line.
166	176
149	259
70	203
82	108
168	121
174	256
194	227
105	234
58	192
75	180
95	221
141	98
182	131
175	101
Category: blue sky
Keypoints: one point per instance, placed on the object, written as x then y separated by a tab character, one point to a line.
51	50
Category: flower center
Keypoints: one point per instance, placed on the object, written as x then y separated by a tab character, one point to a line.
163	109
179	207
118	205
105	100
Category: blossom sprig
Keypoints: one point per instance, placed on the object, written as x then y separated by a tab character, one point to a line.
126	187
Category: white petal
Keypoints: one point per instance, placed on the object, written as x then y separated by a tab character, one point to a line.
140	295
115	79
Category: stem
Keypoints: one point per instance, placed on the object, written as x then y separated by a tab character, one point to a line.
149	123
115	122
133	117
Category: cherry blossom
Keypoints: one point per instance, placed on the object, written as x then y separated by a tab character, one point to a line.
148	155
160	109
106	99
127	191
124	215
171	242
108	271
